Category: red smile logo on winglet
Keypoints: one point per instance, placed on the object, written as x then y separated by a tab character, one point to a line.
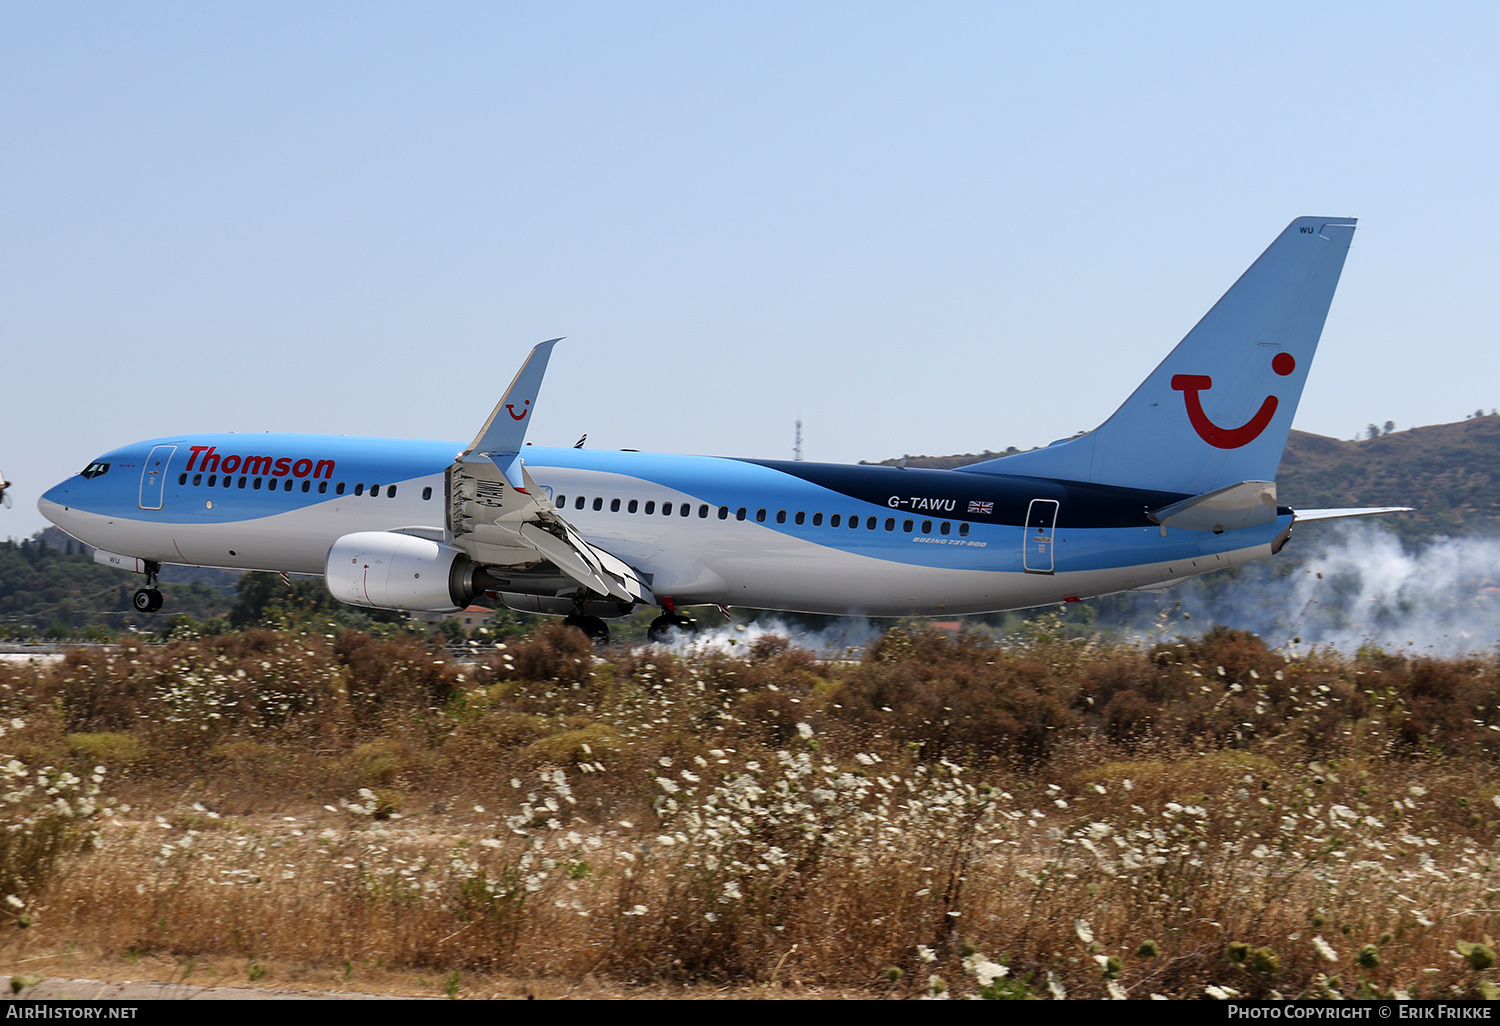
1228	438
522	415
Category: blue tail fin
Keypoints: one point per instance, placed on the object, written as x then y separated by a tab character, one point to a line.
1218	409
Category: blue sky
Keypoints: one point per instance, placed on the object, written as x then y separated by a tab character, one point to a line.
922	228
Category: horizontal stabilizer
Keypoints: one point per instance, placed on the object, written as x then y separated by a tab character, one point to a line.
1247	504
1337	514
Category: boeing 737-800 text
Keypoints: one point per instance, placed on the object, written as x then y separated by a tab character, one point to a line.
1178	482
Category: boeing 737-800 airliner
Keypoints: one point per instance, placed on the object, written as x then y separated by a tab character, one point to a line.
1178	482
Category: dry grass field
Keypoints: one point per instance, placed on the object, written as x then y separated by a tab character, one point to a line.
943	815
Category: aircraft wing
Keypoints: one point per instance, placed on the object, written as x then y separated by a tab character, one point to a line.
1335	514
498	515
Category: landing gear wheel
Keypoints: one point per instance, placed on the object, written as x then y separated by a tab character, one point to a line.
660	631
595	629
147	600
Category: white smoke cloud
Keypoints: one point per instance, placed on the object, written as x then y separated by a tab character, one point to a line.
1363	586
840	638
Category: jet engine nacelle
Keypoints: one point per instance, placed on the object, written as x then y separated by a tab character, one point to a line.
385	570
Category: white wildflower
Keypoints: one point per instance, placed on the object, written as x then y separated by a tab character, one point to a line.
985	971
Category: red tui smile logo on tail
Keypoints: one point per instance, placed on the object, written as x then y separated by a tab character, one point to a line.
1228	438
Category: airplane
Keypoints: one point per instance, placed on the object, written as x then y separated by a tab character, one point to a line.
1179	481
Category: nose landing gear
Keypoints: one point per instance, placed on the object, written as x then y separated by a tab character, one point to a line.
148	599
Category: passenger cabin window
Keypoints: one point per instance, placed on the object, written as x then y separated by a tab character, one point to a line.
817	520
963	530
340	489
781	516
614	505
835	520
634	505
323	488
943	529
651	506
739	514
359	489
426	492
723	512
598	503
578	502
703	512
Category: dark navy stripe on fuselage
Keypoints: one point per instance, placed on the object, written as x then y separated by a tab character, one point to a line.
955	495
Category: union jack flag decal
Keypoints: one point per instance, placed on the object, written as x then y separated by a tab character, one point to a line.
981	507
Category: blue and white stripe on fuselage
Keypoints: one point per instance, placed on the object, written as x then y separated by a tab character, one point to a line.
941	541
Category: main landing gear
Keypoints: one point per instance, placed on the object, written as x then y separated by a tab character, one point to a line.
595	629
660	631
148	599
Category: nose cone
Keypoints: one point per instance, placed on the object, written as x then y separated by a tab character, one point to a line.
54	504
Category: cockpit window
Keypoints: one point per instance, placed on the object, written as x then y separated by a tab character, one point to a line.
95	469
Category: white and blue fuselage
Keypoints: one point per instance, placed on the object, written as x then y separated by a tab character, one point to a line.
777	535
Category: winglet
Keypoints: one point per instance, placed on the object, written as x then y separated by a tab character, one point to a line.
505	431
